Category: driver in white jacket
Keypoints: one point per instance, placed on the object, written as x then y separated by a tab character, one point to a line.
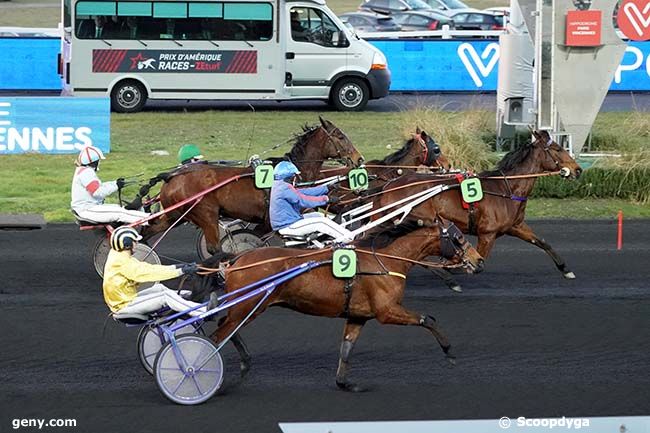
88	192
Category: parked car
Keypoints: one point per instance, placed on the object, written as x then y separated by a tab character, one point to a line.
370	22
422	20
390	6
473	19
446	5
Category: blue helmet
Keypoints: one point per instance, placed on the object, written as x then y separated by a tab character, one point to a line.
285	170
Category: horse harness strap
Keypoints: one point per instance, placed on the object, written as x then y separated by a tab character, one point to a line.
347	290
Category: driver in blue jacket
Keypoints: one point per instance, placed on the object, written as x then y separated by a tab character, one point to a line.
287	201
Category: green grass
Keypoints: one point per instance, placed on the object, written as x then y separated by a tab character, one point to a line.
50	17
584	208
41	183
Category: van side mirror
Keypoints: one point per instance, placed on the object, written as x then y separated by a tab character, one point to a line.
340	40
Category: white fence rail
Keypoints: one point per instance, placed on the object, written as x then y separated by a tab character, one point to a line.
26	32
445	33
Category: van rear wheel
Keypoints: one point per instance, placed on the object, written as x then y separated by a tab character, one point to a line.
128	97
350	94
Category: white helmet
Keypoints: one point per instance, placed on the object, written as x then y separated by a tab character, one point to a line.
124	237
88	155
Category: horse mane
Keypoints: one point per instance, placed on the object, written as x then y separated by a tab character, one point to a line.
386	233
511	160
300	141
399	154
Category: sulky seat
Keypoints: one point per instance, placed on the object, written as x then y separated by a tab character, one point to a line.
131	319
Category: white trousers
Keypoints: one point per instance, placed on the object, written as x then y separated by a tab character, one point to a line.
156	297
315	222
108	213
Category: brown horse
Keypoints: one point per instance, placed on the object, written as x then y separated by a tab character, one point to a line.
241	199
420	150
376	292
503	207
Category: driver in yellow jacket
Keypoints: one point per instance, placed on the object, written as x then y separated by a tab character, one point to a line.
123	274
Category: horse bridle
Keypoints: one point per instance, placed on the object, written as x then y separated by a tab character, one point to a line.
547	149
337	145
452	241
435	152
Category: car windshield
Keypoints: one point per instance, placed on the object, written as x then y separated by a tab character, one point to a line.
417	4
455	4
499	19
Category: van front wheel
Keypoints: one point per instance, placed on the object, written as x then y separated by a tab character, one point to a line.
128	97
350	94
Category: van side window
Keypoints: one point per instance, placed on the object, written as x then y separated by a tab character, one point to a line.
313	26
156	20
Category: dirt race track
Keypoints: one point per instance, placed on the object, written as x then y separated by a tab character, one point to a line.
529	343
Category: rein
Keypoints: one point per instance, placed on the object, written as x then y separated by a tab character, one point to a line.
439	265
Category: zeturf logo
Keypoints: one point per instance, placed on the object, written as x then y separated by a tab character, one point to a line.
475	64
634	19
53	125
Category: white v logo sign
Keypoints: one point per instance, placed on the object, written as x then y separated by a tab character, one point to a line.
467	51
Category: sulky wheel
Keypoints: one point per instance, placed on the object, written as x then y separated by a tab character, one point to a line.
100	254
151	339
190	371
141	252
233	242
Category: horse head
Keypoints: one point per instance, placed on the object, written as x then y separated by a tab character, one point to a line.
202	285
338	145
455	248
554	157
431	153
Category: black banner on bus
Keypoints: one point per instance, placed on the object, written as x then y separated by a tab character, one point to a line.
146	61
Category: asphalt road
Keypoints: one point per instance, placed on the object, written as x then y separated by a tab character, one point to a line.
394	102
529	343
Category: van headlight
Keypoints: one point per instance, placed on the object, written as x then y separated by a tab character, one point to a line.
379	61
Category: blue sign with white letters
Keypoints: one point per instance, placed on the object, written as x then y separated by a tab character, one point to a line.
53	124
472	65
634	71
442	65
418	65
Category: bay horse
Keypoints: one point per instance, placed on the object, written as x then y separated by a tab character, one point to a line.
241	199
376	292
420	150
503	207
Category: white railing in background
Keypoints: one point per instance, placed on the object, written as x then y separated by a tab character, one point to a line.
445	33
27	32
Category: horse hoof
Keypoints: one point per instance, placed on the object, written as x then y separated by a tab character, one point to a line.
244	368
451	360
457	288
349	387
570	276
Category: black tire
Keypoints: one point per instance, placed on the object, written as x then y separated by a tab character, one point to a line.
128	96
350	94
236	242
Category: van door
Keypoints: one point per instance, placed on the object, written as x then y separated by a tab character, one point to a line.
316	51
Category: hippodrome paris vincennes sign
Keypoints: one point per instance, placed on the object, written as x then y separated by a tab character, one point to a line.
53	125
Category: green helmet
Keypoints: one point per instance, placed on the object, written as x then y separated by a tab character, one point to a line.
188	152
